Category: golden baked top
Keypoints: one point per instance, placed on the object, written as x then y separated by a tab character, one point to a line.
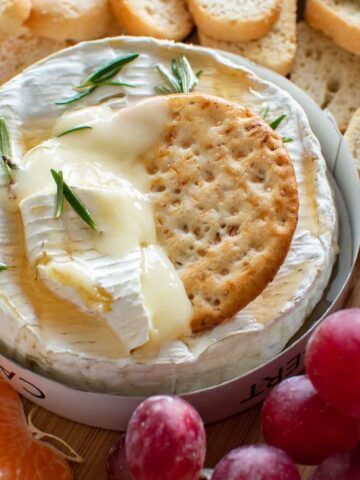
225	203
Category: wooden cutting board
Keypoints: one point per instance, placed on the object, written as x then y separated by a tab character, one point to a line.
93	444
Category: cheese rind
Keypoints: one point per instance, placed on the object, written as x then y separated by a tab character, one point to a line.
63	254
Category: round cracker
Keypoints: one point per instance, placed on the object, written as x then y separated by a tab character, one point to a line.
225	203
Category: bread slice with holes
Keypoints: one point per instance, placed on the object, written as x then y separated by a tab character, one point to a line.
276	50
225	203
21	50
13	14
327	73
69	19
170	19
338	19
235	20
352	137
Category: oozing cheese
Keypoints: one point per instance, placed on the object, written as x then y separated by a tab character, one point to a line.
82	349
90	268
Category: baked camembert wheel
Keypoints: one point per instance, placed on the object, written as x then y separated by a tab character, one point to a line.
156	239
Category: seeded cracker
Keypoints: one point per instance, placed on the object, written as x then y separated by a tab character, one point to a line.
225	203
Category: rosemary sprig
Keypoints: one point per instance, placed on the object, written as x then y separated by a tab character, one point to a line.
75	129
287	140
171	85
275	123
110	69
100	78
6	152
181	79
72	199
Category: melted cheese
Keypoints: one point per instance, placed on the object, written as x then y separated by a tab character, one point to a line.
102	165
102	156
164	297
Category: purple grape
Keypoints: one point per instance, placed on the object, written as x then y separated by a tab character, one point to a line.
297	420
344	466
256	462
165	440
116	465
332	361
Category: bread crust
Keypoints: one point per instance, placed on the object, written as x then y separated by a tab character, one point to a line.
69	19
141	22
22	50
235	28
225	203
327	73
328	20
276	50
352	137
13	14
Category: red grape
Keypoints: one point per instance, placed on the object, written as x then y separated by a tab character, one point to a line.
256	462
296	419
344	466
116	465
333	359
165	440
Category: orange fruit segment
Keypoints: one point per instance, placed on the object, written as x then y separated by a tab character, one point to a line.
21	456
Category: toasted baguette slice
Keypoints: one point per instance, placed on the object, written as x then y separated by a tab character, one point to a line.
327	73
21	50
155	18
352	137
13	14
235	20
339	20
225	203
69	19
276	50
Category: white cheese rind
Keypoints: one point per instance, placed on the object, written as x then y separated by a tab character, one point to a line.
259	331
62	252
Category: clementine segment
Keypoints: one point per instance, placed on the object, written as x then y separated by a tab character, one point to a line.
21	456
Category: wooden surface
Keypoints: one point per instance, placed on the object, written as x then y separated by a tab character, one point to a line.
93	444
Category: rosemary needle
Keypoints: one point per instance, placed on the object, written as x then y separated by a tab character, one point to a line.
75	98
75	129
4	267
264	112
275	123
6	150
74	201
59	195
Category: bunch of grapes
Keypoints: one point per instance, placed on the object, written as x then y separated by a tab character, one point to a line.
313	420
318	416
